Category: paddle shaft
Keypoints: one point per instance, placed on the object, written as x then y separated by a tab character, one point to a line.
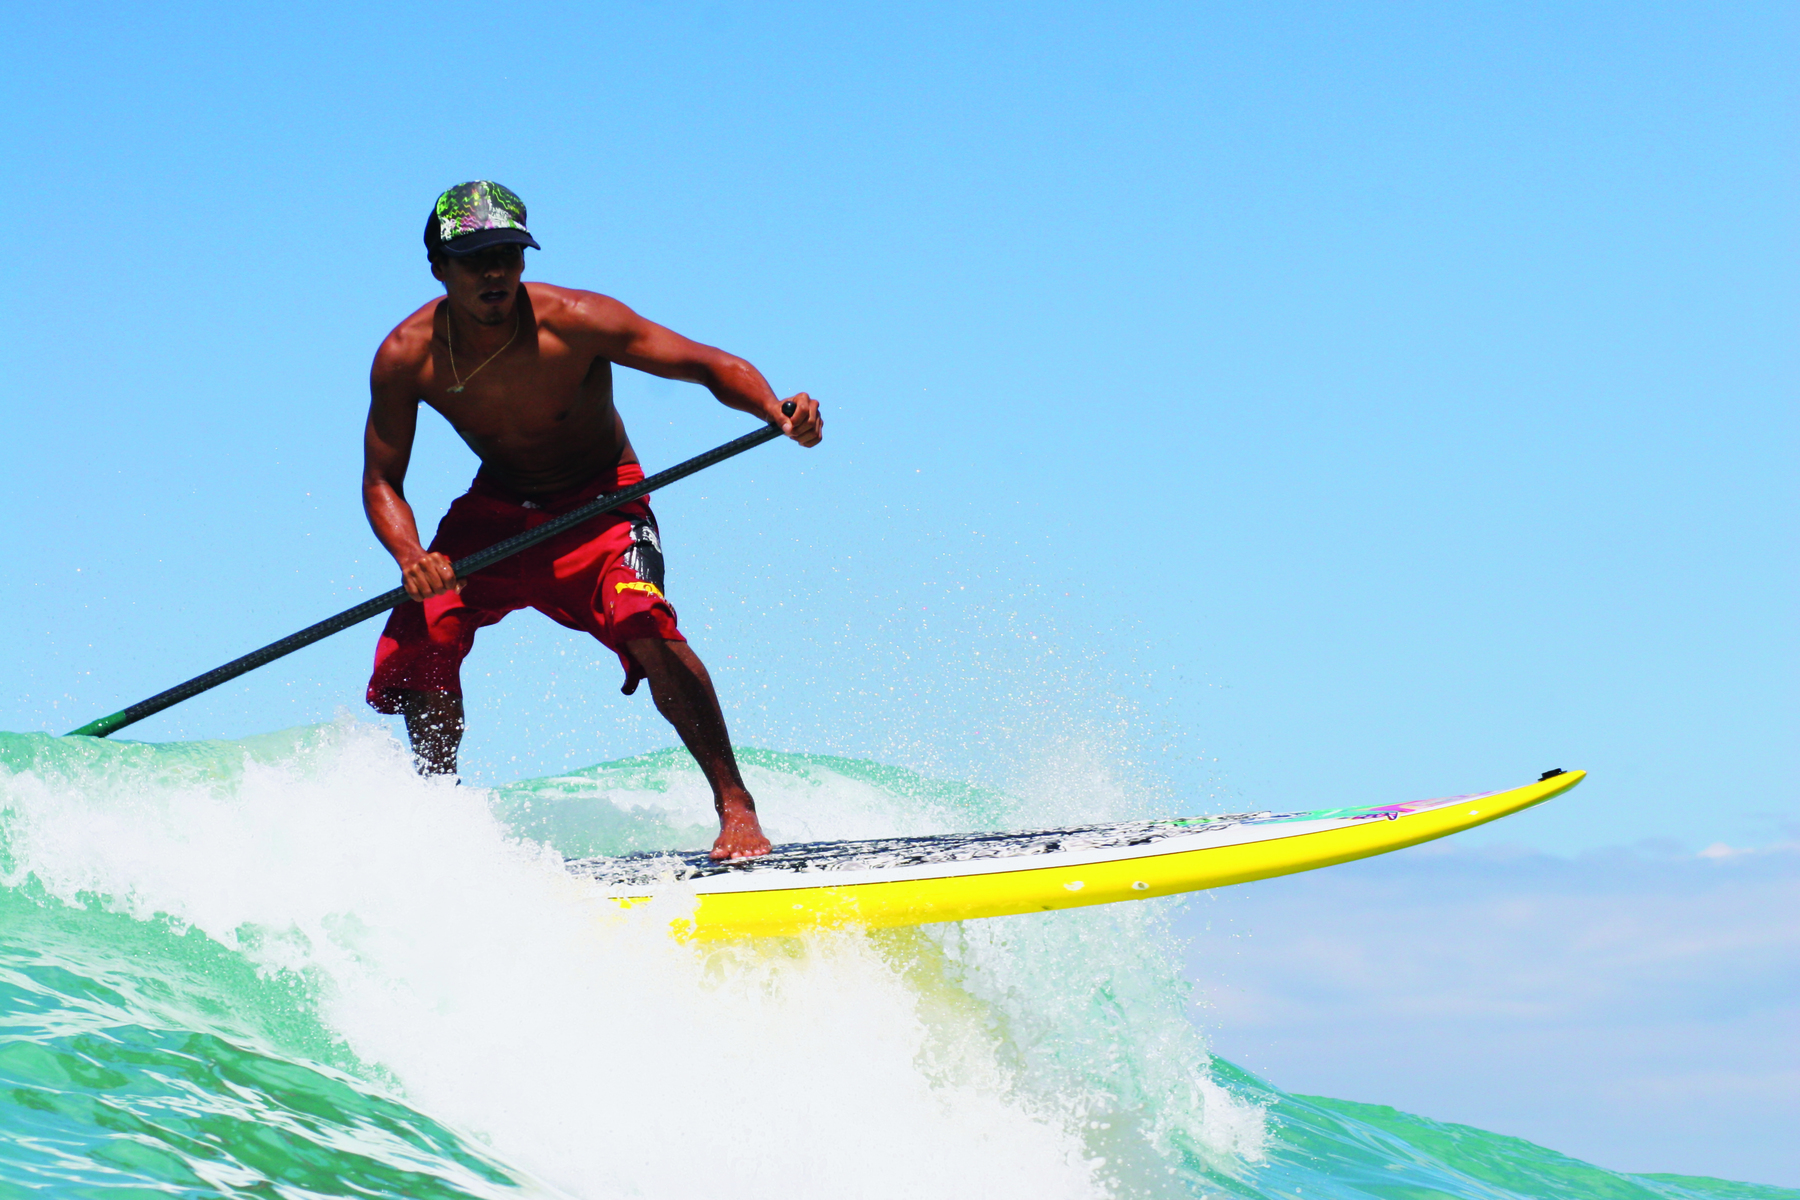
464	567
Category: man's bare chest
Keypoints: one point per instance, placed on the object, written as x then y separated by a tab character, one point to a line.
531	393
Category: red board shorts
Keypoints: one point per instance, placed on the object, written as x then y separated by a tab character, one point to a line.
605	576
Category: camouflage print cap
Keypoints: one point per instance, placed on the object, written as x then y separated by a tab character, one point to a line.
474	216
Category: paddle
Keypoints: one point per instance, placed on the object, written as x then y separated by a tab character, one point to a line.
464	567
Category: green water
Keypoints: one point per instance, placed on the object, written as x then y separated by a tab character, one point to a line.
284	967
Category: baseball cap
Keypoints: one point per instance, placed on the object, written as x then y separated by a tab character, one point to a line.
473	216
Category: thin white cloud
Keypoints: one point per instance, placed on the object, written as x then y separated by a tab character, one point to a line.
1640	1012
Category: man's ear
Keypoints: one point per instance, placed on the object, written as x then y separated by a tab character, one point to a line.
437	271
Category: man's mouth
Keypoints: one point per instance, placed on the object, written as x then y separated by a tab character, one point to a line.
494	297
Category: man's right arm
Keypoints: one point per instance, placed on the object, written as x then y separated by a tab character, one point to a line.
387	448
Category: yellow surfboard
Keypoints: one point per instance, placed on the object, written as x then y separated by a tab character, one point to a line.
953	877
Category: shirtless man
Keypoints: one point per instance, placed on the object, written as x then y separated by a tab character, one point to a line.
523	372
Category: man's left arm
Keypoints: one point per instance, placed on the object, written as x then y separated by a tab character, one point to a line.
644	345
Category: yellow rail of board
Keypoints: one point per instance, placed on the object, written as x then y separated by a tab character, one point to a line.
1045	889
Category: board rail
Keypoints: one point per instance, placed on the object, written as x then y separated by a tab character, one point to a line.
954	877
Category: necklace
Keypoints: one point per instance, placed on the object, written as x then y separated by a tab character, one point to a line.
450	345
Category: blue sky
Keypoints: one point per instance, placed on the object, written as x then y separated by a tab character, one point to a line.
1385	400
1306	404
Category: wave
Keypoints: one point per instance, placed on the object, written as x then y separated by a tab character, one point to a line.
287	966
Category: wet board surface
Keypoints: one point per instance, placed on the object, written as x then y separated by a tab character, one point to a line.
951	877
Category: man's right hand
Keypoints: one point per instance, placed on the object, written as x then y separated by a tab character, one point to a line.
429	575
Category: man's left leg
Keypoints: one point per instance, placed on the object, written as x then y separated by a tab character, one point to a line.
684	694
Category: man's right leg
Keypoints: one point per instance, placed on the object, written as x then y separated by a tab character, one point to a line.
434	723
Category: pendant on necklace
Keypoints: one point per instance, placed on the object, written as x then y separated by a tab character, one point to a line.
457	388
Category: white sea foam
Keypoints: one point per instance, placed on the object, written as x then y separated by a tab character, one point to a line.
1009	1058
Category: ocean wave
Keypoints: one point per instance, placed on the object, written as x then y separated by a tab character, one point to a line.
287	966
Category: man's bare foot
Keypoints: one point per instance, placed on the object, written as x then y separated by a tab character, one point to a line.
740	835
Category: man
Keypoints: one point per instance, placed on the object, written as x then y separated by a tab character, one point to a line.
524	374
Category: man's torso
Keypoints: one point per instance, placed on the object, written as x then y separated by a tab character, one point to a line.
540	416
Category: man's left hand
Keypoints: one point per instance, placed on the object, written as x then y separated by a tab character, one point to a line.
806	426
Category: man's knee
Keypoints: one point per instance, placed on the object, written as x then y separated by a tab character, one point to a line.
660	657
437	713
412	701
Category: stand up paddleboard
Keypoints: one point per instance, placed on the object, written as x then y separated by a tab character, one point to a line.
953	877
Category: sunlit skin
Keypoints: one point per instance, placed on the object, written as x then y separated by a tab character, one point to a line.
540	415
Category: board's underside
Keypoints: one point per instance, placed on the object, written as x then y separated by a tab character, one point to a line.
923	880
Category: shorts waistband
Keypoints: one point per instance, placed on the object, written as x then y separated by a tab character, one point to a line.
609	480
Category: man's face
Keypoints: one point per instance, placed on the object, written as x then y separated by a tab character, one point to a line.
484	284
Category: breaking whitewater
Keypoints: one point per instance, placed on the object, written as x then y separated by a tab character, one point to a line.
287	967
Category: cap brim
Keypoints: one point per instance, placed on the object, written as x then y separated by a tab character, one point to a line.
481	239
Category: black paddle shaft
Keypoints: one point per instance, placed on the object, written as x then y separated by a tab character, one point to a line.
464	567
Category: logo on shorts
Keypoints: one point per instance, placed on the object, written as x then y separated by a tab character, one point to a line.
644	558
636	585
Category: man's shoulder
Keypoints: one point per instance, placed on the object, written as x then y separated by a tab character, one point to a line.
408	346
573	310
